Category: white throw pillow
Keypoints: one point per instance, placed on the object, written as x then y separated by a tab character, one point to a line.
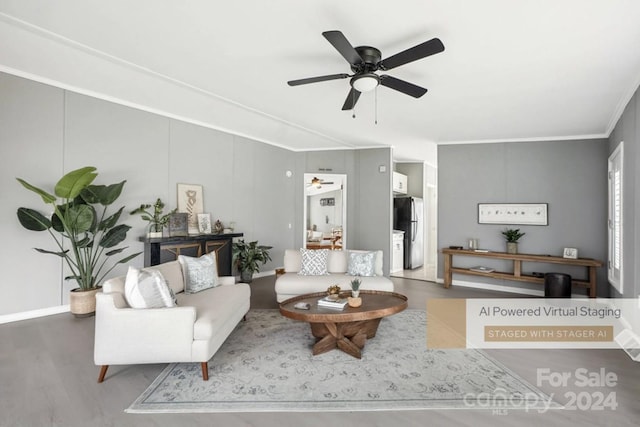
378	263
361	264
314	262
199	273
147	289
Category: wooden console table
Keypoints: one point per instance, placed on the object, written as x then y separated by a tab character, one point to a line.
163	249
590	264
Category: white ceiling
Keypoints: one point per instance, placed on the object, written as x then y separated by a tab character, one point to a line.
512	69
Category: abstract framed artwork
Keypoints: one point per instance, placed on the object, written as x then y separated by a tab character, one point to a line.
190	202
178	224
513	213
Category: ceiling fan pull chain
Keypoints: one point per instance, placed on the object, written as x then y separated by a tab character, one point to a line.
353	96
376	112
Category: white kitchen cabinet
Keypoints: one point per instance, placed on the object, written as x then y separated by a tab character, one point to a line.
399	183
397	254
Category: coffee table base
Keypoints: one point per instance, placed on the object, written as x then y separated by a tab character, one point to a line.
349	337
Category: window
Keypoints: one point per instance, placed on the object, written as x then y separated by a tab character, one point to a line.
616	223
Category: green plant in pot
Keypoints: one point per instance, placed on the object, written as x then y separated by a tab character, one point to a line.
355	287
86	236
512	235
157	221
248	257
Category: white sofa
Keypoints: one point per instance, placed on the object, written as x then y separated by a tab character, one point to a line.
291	284
191	332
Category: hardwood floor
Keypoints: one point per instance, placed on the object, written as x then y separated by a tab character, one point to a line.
47	378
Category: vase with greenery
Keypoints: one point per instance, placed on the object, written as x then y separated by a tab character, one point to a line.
248	257
512	235
84	233
157	221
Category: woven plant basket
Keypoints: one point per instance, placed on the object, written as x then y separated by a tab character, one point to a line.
83	303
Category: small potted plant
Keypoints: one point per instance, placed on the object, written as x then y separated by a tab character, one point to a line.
354	300
248	256
512	235
355	287
157	221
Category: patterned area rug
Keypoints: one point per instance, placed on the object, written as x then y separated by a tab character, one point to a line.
266	365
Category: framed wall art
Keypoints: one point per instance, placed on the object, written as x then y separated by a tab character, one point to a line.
513	213
190	202
204	223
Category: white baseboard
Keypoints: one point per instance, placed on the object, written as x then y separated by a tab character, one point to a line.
33	314
24	315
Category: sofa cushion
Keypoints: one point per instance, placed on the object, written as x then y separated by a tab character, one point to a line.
147	289
314	262
292	260
337	262
214	307
361	264
172	273
199	273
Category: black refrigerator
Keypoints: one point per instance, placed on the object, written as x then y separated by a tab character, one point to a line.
408	216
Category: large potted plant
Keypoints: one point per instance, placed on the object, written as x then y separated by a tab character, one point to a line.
157	221
85	235
248	257
512	236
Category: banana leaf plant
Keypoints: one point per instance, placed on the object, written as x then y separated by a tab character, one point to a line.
85	234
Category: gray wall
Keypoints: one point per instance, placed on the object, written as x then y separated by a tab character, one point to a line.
369	201
46	131
374	209
571	176
628	130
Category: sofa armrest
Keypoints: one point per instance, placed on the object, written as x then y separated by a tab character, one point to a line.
129	335
227	280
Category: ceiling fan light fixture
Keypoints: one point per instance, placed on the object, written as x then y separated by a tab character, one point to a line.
365	82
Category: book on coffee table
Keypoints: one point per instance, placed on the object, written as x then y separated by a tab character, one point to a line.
332	303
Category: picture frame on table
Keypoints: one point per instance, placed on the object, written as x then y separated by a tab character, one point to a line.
190	201
178	224
571	253
204	223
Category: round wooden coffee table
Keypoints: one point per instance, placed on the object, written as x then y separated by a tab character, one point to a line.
346	329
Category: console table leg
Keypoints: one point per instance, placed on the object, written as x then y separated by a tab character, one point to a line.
592	282
448	275
517	267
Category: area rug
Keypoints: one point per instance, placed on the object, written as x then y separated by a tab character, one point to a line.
266	365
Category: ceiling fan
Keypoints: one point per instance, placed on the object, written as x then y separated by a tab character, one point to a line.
318	182
366	60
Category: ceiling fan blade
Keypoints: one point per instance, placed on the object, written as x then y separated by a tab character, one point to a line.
342	45
420	51
351	100
402	86
317	79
